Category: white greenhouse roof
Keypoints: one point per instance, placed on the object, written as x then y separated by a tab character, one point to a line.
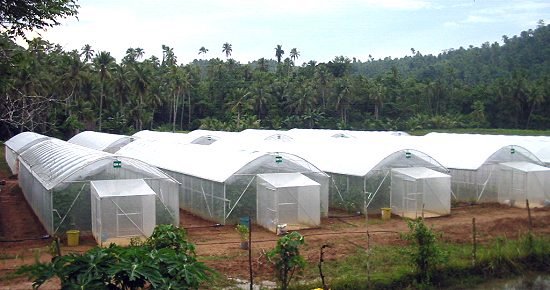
282	180
207	162
99	140
23	141
525	166
538	145
267	135
121	187
164	136
420	172
463	151
55	161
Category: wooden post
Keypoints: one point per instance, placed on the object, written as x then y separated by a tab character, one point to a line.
474	241
368	245
320	265
529	215
250	252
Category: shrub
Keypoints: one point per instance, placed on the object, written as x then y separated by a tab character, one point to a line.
286	257
425	254
166	260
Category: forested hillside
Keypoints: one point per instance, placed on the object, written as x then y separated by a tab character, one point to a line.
49	90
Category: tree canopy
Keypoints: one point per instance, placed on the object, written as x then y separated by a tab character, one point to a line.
497	85
19	16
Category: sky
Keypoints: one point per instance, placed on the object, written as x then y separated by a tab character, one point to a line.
319	29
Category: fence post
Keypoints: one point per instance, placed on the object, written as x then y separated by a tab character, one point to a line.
474	241
529	215
250	252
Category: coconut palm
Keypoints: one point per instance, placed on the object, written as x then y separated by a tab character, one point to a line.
203	50
294	54
279	52
103	63
227	49
88	52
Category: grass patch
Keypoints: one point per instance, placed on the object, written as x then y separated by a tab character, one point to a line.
389	269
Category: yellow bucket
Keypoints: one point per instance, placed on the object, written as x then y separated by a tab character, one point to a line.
386	213
73	237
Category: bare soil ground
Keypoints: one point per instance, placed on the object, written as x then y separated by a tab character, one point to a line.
21	235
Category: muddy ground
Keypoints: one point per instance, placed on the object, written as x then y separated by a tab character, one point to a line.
22	237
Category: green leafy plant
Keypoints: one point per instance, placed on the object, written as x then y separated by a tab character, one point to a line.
243	232
286	257
164	261
425	254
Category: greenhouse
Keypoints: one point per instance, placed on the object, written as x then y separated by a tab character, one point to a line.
122	210
537	145
17	145
101	141
420	192
287	200
55	179
473	162
359	170
220	184
521	181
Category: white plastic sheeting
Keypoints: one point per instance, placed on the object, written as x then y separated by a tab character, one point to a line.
218	183
101	141
325	133
122	210
473	161
17	145
359	168
471	151
207	137
521	181
162	136
55	178
419	191
288	199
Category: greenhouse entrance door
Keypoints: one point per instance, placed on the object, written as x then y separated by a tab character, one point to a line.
121	210
420	192
519	181
289	200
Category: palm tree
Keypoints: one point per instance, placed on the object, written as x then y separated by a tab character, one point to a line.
203	50
279	52
294	54
240	104
88	52
103	63
227	49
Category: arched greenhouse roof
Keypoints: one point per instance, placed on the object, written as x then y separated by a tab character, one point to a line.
101	141
55	161
470	151
23	141
205	162
538	145
359	159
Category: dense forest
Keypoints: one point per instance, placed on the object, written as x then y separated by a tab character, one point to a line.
46	89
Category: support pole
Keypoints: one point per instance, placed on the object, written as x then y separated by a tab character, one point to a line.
250	252
529	215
